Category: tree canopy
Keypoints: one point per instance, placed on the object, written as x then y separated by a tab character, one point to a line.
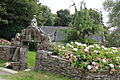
86	22
63	18
15	15
113	8
44	15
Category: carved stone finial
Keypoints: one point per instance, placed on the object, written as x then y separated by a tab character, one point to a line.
34	22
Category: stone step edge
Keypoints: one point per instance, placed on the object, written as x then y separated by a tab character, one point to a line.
8	70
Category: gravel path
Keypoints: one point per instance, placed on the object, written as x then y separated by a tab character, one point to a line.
2	78
4	71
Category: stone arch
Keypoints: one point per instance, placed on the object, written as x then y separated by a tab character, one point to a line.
31	34
22	40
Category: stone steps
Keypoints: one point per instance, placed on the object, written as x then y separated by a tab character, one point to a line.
5	71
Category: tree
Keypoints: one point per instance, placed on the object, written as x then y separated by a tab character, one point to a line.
16	15
86	22
44	15
113	39
63	18
113	8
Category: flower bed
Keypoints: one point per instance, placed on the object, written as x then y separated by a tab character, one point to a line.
4	42
89	57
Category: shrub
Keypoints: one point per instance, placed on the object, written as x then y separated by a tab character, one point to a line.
4	42
90	57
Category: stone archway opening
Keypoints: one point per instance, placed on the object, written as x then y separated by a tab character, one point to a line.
31	57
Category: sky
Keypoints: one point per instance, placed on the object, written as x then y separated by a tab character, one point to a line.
56	5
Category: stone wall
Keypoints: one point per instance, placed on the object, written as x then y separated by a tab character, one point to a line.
6	52
46	61
57	34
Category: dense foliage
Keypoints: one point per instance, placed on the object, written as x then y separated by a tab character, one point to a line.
44	15
16	15
89	57
113	8
113	38
63	18
86	22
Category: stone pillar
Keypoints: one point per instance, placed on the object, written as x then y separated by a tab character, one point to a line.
23	56
38	59
41	54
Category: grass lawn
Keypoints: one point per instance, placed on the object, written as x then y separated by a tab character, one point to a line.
41	75
2	63
33	75
31	59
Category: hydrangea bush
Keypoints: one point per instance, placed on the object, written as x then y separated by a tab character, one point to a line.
90	57
4	42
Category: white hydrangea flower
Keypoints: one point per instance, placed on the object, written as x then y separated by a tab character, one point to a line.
114	47
94	63
84	45
59	45
63	47
111	52
118	57
75	49
104	48
89	67
86	50
78	44
114	51
97	46
60	50
111	65
95	51
103	60
97	67
69	45
71	42
91	46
